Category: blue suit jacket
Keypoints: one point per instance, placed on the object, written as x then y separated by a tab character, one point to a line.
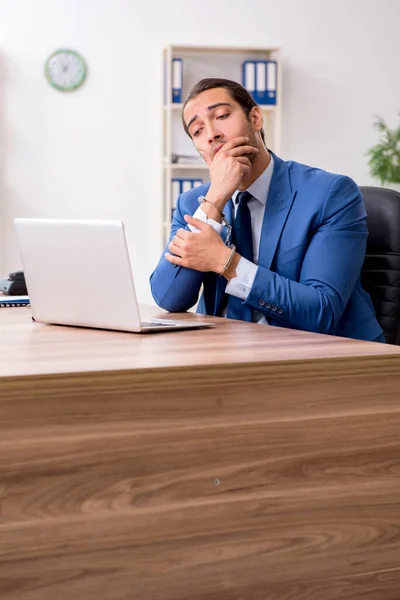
312	247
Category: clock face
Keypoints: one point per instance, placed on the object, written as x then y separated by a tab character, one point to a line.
65	70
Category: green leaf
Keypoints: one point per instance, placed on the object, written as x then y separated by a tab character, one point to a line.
384	157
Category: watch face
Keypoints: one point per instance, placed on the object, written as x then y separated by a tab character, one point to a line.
65	70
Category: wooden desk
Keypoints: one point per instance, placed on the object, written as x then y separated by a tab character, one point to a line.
242	462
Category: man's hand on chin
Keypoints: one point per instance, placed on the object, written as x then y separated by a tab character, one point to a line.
203	251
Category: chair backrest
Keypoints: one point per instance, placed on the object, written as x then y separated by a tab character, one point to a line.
380	275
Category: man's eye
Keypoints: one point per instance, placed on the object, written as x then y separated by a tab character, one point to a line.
196	133
223	116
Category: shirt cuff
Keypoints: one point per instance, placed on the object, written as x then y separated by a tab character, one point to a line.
201	215
241	285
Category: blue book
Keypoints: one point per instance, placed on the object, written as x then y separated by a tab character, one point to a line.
249	76
266	79
180	185
177	78
14	301
176	188
259	77
196	182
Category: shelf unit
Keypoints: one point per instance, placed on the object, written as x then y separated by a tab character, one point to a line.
200	62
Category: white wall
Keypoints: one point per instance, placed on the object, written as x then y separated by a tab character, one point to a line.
96	152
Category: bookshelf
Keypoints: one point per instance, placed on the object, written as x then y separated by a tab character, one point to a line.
200	62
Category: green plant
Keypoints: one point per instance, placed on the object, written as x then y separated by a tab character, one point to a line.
384	157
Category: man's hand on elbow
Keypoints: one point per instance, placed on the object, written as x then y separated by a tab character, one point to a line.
203	251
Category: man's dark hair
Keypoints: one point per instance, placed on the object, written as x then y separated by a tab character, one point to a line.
236	91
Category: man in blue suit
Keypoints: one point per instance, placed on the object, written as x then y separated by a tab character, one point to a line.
299	233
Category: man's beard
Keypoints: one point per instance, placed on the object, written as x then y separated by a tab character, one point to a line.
252	142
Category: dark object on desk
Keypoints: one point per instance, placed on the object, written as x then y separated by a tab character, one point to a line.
380	272
14	284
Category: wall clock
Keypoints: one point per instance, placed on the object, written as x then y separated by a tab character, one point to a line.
65	70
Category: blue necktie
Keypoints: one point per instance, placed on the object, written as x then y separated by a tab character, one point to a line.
243	239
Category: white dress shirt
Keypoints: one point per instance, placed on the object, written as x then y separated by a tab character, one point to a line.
240	285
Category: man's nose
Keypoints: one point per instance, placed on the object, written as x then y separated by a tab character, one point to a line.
213	135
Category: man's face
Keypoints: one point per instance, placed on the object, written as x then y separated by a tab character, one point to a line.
214	118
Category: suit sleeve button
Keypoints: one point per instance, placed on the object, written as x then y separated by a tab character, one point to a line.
267	305
280	311
274	308
261	302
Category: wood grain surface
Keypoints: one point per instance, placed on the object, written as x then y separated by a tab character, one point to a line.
32	348
129	470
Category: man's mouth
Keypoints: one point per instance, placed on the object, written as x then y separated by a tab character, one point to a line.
215	149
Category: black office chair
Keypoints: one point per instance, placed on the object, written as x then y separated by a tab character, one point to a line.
380	275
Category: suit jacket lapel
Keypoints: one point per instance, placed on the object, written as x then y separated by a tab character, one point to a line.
280	199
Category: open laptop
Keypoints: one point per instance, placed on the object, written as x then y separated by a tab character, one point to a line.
78	273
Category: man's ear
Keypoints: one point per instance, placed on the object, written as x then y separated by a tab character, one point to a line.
256	118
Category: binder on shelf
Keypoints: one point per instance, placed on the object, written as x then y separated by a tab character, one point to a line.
177	78
14	301
180	185
261	82
186	185
249	76
259	79
271	77
176	189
